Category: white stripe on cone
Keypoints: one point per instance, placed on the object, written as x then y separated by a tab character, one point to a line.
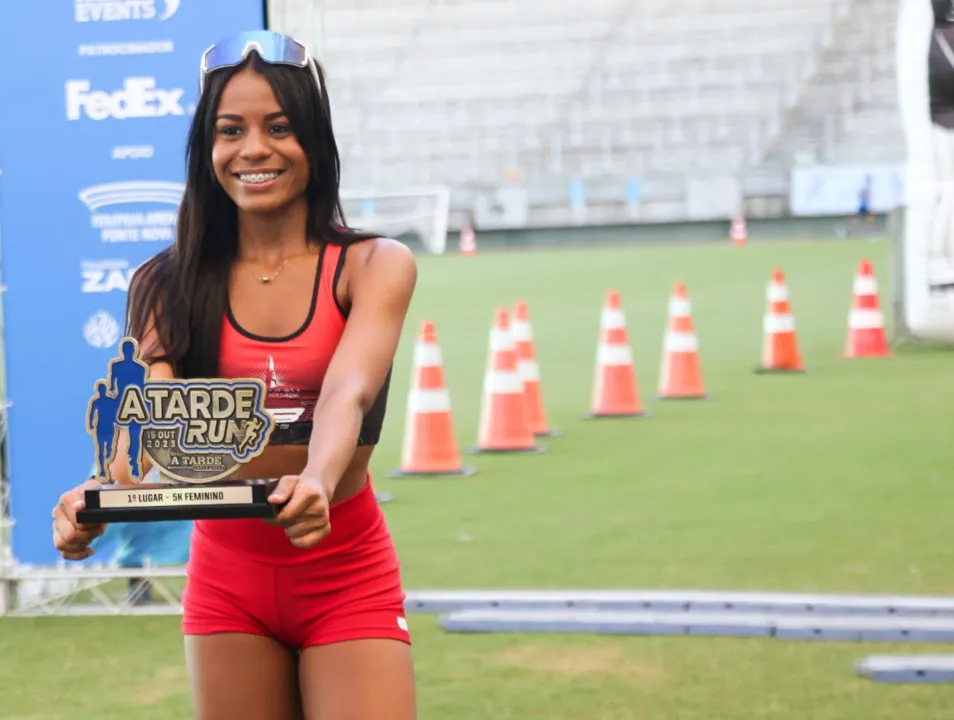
503	383
429	401
614	355
501	340
681	342
866	285
776	323
865	320
427	355
521	331
777	293
680	307
613	319
529	370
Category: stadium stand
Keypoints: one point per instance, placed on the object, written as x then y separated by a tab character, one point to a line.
476	95
855	76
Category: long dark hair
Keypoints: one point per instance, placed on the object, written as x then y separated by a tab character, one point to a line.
183	291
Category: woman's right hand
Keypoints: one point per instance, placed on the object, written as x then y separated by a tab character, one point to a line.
70	537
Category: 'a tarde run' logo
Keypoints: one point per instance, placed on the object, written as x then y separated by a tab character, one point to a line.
126	212
123	10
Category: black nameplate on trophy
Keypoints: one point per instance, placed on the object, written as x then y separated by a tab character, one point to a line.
195	432
155	502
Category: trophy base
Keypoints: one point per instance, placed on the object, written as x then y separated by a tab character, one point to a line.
158	502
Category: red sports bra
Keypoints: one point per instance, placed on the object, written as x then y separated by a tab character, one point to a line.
293	367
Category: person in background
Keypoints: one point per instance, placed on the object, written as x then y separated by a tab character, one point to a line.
863	214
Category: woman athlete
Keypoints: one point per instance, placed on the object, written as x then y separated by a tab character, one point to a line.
300	617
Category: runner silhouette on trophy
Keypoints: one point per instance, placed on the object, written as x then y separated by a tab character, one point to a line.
101	422
124	372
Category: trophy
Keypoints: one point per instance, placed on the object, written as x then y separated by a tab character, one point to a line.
195	432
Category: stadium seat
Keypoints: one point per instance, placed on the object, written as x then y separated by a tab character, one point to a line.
461	93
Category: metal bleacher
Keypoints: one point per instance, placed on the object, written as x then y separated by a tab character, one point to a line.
481	93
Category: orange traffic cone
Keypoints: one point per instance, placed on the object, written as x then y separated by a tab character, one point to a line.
504	425
779	343
866	335
680	375
615	392
430	449
738	233
468	241
529	368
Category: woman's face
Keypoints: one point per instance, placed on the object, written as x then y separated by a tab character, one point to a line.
256	156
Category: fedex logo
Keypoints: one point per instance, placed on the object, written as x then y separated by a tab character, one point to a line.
85	11
139	98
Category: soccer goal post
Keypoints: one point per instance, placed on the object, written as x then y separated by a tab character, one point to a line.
922	299
419	214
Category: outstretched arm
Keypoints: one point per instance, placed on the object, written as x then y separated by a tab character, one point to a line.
381	284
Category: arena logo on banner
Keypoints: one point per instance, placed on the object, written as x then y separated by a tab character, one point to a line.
104	276
138	98
132	216
85	11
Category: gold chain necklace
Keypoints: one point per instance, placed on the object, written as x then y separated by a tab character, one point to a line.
265	279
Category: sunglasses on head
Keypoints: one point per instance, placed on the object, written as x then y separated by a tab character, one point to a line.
272	47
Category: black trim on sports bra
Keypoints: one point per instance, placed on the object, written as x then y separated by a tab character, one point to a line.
374	420
311	311
334	282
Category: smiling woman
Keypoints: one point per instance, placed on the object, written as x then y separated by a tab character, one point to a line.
237	161
290	619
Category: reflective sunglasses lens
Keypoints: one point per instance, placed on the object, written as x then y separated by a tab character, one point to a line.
273	47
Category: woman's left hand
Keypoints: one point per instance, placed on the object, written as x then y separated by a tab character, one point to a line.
306	516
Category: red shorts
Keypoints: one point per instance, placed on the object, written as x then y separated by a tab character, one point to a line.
348	587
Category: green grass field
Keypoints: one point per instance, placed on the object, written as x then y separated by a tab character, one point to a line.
836	480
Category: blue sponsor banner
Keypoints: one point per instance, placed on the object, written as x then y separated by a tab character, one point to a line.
98	95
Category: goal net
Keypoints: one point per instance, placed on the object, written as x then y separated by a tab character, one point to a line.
415	215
